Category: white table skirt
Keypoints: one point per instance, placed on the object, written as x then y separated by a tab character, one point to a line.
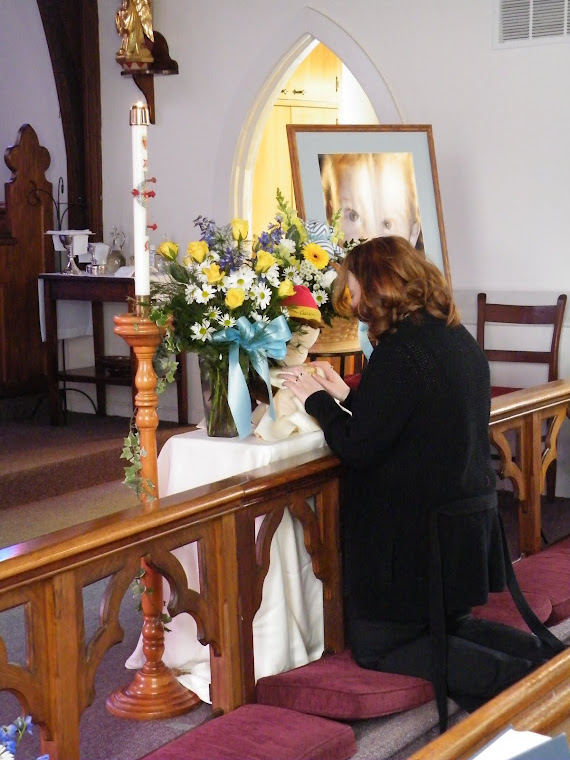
74	318
288	627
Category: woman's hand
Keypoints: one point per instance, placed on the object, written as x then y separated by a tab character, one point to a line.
305	379
330	380
300	381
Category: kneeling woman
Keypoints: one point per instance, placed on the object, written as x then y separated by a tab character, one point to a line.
422	540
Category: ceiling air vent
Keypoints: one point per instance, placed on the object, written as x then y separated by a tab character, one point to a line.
530	22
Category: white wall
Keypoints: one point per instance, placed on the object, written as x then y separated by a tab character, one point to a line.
27	86
499	118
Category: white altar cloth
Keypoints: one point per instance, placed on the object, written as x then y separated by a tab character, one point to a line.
288	627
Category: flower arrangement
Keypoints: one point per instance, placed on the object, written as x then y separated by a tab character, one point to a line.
219	281
226	301
12	735
225	304
308	253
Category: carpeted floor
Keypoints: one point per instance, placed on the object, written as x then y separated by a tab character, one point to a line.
82	461
39	461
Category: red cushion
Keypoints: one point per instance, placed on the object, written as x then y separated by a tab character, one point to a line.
258	732
501	608
548	572
336	687
353	381
499	390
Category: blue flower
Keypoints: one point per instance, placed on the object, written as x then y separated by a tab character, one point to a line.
11	736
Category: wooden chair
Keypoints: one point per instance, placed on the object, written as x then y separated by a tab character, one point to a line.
512	314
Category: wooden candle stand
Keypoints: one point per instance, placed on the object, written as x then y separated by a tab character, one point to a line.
154	692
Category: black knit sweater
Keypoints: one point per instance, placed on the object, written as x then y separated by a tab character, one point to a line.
417	439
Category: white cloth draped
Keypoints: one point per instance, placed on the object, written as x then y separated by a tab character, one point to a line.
288	627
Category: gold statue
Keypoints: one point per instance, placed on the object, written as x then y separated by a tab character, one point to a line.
134	24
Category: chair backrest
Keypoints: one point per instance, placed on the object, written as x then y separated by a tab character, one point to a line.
522	315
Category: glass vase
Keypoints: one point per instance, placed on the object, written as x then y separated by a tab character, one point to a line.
214	379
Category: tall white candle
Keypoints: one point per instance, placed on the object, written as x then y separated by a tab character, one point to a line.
139	123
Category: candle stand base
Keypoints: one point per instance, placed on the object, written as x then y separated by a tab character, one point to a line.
152	697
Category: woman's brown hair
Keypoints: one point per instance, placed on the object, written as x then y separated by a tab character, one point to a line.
396	282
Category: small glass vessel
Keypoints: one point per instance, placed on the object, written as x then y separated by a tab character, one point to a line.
115	257
70	267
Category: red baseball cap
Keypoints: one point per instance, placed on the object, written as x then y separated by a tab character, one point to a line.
302	305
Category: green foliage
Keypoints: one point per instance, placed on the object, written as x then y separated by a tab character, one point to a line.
133	452
138	588
164	364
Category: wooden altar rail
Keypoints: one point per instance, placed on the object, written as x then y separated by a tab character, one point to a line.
540	702
524	413
47	576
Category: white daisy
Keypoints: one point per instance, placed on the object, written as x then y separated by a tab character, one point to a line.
213	314
259	317
190	293
202	331
226	320
272	275
290	272
320	296
241	278
262	295
204	293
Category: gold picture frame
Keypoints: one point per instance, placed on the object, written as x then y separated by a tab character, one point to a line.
369	164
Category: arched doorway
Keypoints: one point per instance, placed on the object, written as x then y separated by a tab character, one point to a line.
321	90
310	28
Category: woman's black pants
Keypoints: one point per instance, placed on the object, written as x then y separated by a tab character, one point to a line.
483	657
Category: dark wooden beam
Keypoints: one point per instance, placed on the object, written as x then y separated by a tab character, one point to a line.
72	35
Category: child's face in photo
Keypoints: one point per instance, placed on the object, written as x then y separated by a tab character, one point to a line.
374	197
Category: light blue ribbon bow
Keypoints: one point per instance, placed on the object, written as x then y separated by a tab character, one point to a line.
259	340
364	340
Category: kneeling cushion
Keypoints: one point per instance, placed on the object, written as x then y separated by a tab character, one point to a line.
548	573
258	732
500	608
336	687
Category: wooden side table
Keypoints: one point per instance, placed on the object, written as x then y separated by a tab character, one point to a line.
105	371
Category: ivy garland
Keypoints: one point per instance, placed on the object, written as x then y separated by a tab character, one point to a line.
138	588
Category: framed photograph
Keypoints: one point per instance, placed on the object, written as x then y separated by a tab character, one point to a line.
382	178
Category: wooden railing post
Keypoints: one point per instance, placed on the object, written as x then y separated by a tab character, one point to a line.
154	692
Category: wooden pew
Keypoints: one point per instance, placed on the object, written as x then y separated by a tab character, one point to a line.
523	413
540	702
25	251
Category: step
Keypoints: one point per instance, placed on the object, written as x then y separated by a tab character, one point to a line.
39	461
23	522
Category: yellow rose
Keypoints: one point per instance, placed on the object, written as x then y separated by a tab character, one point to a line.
264	261
235	297
240	228
196	250
168	250
214	274
286	289
318	257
